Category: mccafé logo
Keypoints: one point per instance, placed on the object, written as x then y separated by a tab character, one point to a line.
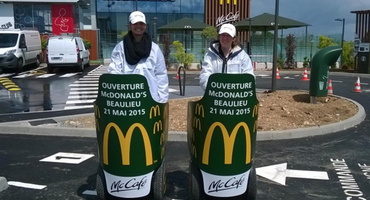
228	2
125	143
229	141
229	18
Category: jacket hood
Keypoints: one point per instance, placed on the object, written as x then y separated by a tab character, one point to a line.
215	46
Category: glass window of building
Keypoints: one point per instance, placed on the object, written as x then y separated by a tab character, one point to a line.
112	19
36	16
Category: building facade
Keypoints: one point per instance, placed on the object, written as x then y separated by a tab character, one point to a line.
109	19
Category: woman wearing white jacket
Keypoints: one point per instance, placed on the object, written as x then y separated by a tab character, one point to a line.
137	54
225	56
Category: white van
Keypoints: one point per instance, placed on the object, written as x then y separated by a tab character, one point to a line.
19	48
67	51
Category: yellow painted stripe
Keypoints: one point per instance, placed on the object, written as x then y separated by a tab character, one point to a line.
4	80
14	89
11	86
9	83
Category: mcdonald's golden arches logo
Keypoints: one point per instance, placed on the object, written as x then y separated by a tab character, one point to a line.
158	126
154	111
254	113
199	110
228	2
229	141
125	143
197	124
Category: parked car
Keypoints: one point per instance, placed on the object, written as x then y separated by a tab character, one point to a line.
67	51
19	48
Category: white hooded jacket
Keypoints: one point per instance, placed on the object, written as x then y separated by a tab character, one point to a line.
153	68
237	62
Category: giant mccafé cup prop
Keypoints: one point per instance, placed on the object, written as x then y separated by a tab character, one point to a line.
222	128
132	131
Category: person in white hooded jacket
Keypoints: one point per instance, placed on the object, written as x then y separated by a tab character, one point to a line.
137	54
225	56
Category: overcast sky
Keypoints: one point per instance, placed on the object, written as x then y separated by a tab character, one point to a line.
320	14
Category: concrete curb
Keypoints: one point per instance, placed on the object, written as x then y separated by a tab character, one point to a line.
25	128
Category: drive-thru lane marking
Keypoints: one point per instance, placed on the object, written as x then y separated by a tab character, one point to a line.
70	158
279	172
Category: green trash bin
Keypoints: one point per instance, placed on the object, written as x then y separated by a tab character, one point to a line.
319	75
363	62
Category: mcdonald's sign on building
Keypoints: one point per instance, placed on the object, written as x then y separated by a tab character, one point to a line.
218	12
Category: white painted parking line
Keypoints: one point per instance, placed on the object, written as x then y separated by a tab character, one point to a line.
86	81
5	75
80	101
23	76
77	107
336	81
94	75
68	75
89	79
83	85
69	158
83	92
45	76
92	88
83	96
26	185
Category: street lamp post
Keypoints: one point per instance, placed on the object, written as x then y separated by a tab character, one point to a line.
250	37
155	29
343	20
274	56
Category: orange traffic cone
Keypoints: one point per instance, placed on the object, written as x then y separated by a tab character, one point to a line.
330	88
305	77
277	73
357	85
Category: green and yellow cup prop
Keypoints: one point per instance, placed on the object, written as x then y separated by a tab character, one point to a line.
132	131
222	128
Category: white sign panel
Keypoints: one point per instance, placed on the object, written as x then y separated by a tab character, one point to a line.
128	186
7	16
225	186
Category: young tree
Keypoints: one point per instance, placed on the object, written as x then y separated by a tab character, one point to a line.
183	58
209	32
325	42
166	49
290	51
